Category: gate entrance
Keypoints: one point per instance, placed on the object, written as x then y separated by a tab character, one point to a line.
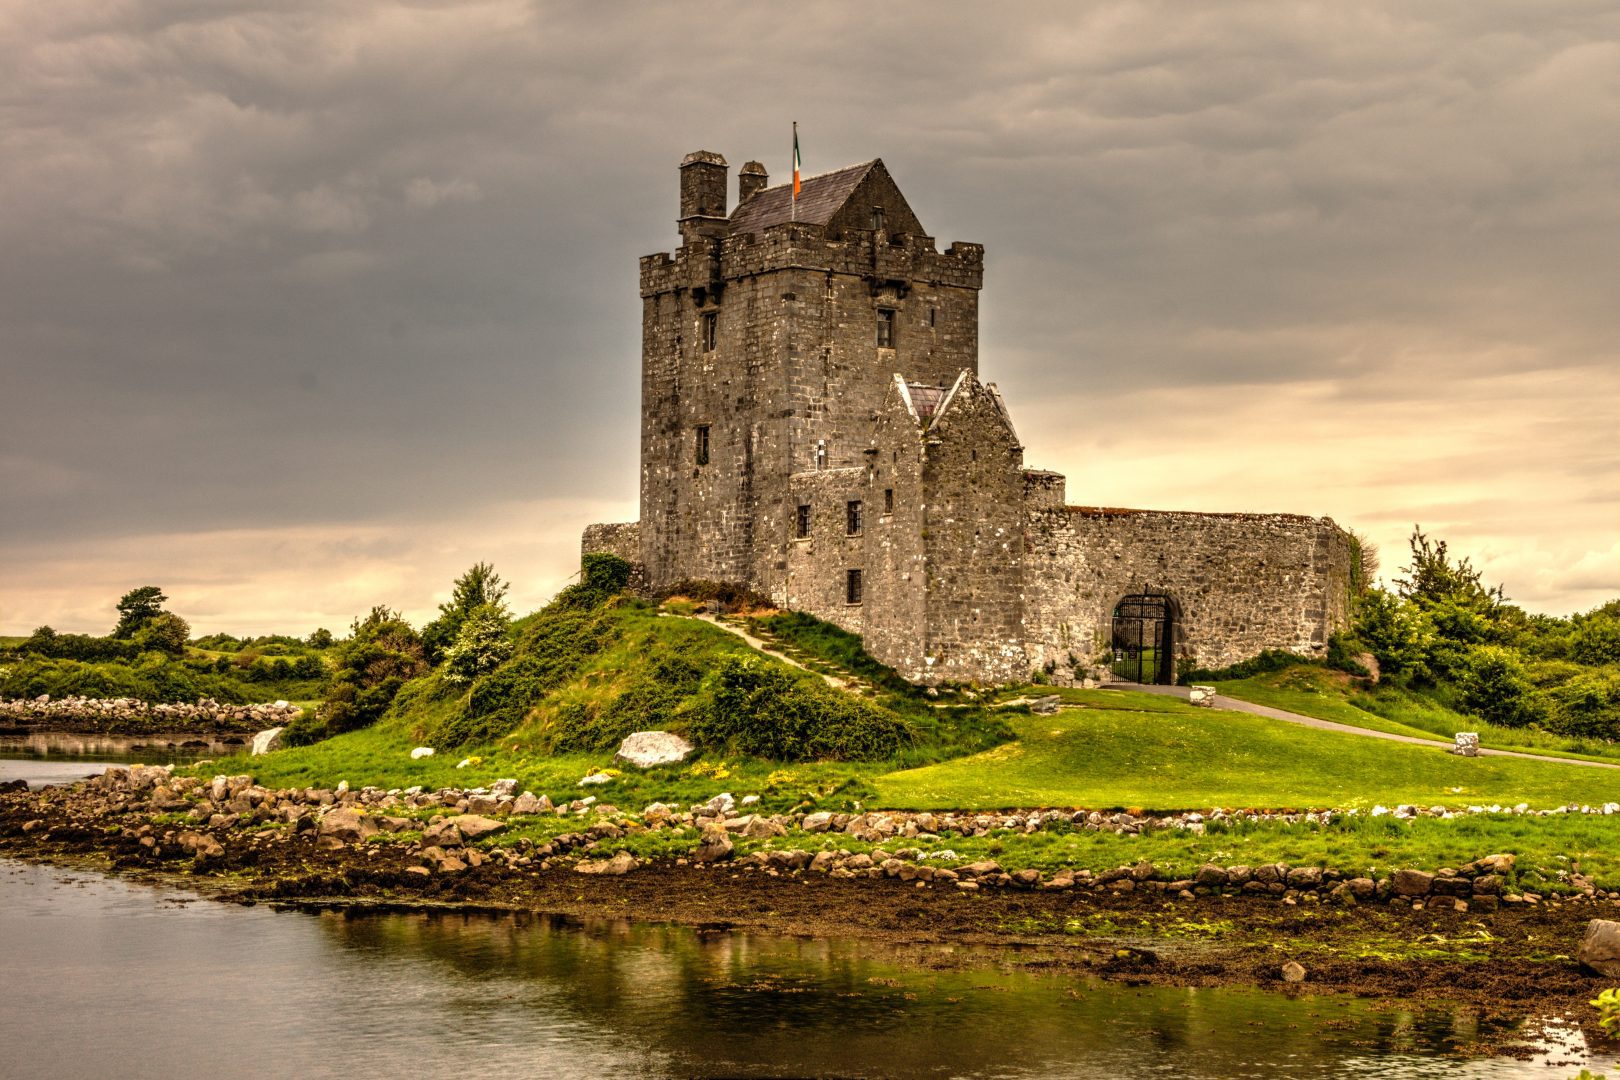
1144	639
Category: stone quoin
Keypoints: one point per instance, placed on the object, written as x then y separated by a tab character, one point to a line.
814	428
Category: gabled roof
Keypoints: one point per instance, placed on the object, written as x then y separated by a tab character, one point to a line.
820	197
927	402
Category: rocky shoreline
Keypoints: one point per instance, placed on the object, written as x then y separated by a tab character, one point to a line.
131	716
718	863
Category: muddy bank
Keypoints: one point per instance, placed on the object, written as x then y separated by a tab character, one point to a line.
326	848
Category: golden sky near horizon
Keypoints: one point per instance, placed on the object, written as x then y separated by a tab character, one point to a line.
307	306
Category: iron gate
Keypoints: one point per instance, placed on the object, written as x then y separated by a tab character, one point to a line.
1144	639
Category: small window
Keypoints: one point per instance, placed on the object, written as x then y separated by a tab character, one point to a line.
932	322
711	330
801	526
885	328
702	448
888	500
877	220
852	517
852	586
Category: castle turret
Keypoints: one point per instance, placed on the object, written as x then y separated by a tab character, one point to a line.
751	178
703	195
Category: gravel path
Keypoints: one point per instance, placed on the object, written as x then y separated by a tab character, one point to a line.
1237	705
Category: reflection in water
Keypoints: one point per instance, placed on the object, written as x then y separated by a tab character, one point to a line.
56	757
114	978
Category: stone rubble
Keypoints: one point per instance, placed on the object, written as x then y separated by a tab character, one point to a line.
96	714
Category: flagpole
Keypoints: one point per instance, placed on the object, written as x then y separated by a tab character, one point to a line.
793	196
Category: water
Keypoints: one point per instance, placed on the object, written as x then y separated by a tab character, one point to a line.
55	757
104	976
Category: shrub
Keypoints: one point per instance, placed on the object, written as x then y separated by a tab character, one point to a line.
381	655
481	645
1586	706
600	576
479	587
759	708
1494	686
165	633
1263	664
1596	640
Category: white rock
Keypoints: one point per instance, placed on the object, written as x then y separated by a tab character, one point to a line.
750	800
282	703
596	778
463	763
1202	696
266	741
644	749
421	752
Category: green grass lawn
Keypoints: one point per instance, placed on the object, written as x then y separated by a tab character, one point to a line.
1328	696
1134	750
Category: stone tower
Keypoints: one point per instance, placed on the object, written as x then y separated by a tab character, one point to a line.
769	341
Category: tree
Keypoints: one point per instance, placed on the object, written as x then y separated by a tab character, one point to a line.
480	586
321	639
137	608
480	647
381	655
165	632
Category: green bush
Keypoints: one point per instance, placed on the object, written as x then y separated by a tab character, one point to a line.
1263	664
154	678
759	708
1586	706
382	654
1495	686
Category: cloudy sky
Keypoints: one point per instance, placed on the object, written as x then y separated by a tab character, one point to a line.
307	305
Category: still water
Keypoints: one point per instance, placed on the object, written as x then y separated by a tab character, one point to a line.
55	757
102	976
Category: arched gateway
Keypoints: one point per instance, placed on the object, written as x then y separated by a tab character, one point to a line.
1144	638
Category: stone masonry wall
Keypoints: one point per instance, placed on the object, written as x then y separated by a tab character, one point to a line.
1242	582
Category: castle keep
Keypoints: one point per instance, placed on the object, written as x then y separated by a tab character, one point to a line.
813	427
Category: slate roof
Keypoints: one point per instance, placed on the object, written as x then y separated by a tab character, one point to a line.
925	399
820	197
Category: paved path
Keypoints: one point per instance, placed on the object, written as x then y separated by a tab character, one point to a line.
1237	705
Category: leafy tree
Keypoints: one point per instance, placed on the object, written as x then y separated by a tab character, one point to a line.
482	645
1495	687
164	633
321	639
381	655
480	586
1596	639
138	607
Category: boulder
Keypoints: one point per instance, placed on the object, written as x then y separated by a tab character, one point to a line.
596	778
421	752
716	846
622	863
266	741
1412	883
820	821
1202	696
1045	706
349	826
526	803
1210	876
1467	744
1293	972
473	827
1600	948
645	749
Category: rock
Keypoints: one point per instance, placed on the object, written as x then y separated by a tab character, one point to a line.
721	804
622	863
1412	883
820	821
421	752
646	749
349	826
506	787
1202	696
474	827
526	803
1600	948
464	762
596	778
1210	876
266	741
1045	706
716	846
1293	972
1467	744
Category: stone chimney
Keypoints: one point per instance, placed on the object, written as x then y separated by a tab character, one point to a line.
703	195
750	179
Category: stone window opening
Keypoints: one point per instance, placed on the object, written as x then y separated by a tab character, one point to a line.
801	522
885	328
877	221
711	330
852	586
888	500
701	447
821	453
852	517
931	319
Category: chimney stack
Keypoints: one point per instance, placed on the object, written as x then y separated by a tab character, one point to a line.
703	195
750	179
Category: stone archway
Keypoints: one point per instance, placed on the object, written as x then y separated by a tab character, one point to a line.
1143	636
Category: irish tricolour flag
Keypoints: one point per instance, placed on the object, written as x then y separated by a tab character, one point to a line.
795	160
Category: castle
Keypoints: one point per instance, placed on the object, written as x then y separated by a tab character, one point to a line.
813	427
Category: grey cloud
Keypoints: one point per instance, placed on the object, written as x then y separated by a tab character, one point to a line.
316	263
